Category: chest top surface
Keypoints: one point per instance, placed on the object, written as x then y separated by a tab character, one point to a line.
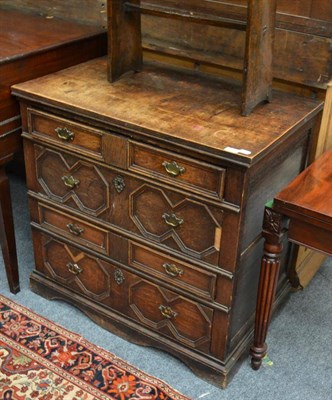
169	104
23	34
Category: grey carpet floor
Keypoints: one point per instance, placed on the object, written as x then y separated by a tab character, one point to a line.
300	337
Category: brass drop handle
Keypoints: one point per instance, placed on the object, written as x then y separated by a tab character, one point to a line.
70	181
173	270
75	229
74	269
173	169
172	220
167	312
65	134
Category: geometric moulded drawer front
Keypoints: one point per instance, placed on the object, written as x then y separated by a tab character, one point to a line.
184	224
75	269
171	314
72	181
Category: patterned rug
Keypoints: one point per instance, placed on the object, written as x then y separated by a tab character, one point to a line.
43	361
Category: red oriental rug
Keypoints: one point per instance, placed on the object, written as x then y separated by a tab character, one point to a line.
43	361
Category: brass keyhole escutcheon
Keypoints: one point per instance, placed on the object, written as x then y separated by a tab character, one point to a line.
65	134
119	183
167	312
75	229
173	169
172	270
70	181
172	220
74	269
119	276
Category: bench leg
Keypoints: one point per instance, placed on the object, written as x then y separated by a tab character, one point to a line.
7	236
267	285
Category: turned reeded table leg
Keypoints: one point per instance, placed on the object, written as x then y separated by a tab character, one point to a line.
267	284
7	236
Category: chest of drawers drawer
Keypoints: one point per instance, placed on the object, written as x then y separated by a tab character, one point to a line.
173	271
128	203
181	171
74	136
76	229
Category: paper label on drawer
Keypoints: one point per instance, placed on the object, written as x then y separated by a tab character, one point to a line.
237	151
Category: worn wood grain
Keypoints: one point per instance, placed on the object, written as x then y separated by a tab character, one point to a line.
86	11
258	74
190	108
124	40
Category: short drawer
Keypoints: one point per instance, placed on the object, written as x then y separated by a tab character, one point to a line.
74	228
179	274
203	178
73	135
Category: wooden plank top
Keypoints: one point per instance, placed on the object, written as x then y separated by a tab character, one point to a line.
163	102
310	193
24	34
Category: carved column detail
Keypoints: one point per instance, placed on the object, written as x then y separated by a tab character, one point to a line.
272	231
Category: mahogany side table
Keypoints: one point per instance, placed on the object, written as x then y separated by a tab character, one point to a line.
303	211
32	46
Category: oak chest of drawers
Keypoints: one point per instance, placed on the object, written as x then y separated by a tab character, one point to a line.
146	201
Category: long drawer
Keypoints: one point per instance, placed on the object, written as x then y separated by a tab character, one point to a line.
128	203
149	304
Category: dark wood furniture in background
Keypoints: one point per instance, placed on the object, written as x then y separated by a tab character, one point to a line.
146	197
32	46
303	211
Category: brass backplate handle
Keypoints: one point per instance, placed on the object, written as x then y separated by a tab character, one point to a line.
74	269
167	312
65	134
70	181
75	229
173	169
173	270
172	220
